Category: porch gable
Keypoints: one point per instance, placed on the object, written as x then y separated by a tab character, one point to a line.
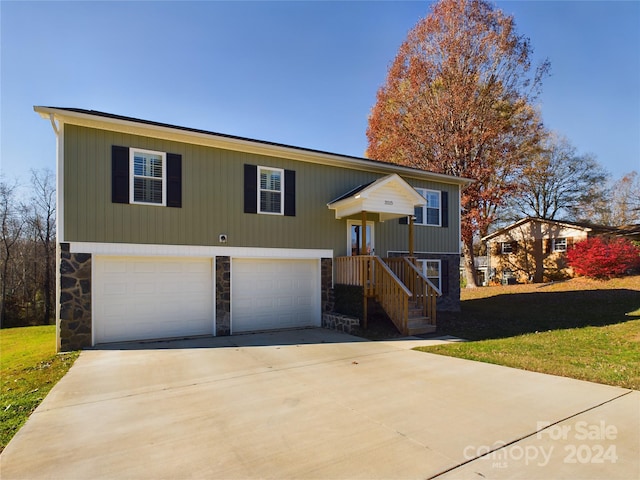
389	196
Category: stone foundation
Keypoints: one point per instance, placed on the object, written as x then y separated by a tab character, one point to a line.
223	296
339	322
326	282
74	296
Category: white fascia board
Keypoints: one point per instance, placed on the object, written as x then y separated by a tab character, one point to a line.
243	145
346	208
384	217
377	207
145	250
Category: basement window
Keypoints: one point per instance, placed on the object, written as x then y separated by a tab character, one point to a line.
431	270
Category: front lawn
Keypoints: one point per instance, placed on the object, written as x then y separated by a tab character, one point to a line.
29	368
584	329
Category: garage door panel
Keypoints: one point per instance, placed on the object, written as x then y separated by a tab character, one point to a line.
269	294
155	297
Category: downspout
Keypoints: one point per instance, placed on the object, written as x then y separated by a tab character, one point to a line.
52	119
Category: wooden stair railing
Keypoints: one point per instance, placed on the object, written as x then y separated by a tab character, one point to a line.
424	292
392	295
378	281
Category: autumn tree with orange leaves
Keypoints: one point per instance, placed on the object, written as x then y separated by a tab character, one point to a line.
459	99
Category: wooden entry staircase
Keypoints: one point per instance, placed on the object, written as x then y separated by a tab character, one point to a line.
398	285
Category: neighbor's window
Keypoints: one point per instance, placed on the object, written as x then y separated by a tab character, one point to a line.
559	244
270	187
430	213
507	247
148	173
431	270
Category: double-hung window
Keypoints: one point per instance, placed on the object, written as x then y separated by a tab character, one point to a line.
507	247
559	245
148	177
271	190
431	213
431	270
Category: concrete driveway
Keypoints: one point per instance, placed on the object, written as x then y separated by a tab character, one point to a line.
317	404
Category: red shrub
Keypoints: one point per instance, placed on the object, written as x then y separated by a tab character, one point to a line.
599	257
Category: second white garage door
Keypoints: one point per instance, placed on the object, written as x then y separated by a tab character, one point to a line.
270	294
137	298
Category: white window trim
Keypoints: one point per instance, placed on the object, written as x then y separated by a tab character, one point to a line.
424	261
282	185
554	246
503	244
132	176
423	192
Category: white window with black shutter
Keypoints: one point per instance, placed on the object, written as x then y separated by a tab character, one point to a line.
146	177
269	190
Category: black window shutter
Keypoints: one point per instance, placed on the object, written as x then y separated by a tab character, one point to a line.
444	276
250	188
444	202
174	180
290	193
119	174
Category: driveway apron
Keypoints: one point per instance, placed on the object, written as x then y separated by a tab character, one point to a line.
319	404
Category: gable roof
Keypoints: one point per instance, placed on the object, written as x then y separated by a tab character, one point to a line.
351	193
120	123
627	230
390	197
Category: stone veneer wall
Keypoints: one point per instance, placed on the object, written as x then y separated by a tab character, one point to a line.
74	321
339	322
326	282
223	296
449	301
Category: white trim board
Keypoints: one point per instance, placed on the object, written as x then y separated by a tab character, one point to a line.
137	249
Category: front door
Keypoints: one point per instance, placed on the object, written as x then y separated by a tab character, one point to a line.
354	246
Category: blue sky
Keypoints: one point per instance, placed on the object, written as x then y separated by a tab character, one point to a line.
298	73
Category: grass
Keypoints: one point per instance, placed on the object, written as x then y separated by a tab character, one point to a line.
581	328
29	368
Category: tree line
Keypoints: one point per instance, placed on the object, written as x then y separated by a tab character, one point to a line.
28	251
461	98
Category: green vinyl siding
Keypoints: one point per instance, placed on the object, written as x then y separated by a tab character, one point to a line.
212	201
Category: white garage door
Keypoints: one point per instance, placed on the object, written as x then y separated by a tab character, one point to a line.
137	298
268	294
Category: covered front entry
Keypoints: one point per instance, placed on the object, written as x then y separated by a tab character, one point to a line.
137	298
274	293
397	285
387	198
